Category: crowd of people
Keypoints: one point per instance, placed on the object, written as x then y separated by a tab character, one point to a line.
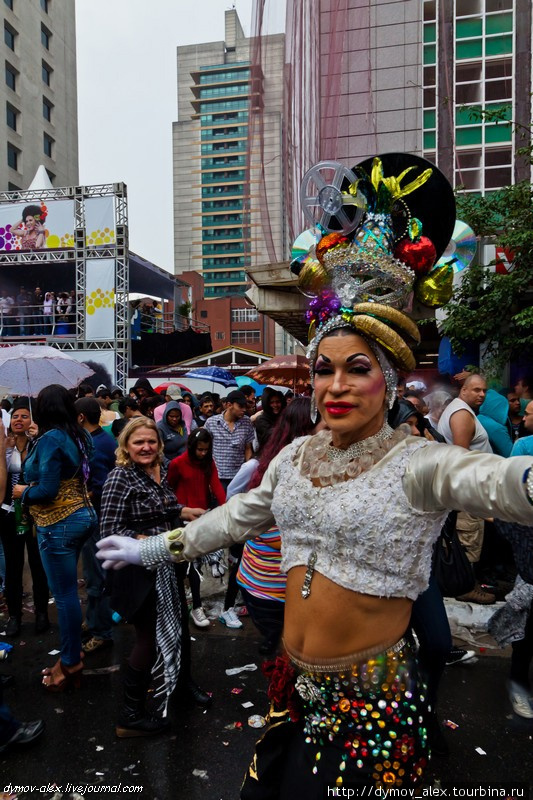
89	464
35	313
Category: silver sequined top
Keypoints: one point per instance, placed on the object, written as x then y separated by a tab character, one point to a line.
366	534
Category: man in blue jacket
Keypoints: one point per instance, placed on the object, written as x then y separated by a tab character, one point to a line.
524	446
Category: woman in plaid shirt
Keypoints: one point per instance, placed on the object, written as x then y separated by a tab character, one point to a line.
138	502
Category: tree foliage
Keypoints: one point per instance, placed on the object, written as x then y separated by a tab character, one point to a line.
488	307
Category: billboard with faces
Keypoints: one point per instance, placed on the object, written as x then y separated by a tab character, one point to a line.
48	224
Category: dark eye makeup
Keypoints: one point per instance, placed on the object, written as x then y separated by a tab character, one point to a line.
358	363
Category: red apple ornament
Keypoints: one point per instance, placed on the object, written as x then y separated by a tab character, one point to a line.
420	255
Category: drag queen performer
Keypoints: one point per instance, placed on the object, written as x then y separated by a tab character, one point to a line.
359	507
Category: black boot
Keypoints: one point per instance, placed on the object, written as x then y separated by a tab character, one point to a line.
42	623
13	626
133	720
196	694
437	742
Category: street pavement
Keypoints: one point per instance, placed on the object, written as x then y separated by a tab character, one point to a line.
205	756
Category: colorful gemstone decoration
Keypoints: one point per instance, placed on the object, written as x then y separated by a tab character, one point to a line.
376	710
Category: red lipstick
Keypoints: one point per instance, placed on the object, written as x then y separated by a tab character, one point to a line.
339	409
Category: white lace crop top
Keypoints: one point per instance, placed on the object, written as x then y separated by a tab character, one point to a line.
372	534
364	533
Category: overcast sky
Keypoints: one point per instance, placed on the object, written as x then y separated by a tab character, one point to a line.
126	53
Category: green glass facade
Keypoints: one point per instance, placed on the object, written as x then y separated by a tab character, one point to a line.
222	104
483	70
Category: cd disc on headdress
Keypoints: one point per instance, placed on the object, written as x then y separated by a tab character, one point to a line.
433	203
461	248
303	244
326	200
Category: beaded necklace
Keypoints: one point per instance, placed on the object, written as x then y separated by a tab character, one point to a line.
329	465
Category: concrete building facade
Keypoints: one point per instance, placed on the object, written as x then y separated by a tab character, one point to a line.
38	94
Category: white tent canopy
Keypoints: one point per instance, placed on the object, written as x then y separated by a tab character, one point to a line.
41	180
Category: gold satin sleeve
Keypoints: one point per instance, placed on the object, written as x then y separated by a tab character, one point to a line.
243	517
448	477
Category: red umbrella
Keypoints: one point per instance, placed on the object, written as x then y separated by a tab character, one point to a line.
162	386
289	371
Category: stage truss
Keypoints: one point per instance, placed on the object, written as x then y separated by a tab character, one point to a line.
81	255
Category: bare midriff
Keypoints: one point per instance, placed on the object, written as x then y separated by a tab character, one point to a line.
334	621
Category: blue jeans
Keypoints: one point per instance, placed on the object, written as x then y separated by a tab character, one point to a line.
60	546
98	612
267	615
430	623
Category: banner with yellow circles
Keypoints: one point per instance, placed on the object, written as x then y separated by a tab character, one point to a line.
100	300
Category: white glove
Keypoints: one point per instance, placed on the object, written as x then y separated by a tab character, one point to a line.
118	551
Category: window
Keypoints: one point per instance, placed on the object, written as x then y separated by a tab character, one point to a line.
467	92
244	315
493	158
245	337
46	73
9	36
44	5
12	156
11	117
47	109
47	145
11	77
12	187
9	4
51	175
45	37
469	159
203	314
222	335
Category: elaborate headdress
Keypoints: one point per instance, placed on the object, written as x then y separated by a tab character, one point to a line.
378	231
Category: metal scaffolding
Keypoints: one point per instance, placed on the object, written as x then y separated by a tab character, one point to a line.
80	255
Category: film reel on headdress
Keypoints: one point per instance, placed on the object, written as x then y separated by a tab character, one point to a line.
326	201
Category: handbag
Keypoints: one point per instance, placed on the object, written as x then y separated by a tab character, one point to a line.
451	567
520	537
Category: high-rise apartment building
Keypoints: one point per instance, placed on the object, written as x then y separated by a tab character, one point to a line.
38	95
217	203
477	77
413	75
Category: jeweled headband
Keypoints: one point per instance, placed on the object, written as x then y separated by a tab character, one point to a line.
389	373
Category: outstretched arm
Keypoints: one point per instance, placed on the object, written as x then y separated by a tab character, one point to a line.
243	517
485	485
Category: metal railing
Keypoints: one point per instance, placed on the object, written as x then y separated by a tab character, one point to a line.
163	322
31	320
